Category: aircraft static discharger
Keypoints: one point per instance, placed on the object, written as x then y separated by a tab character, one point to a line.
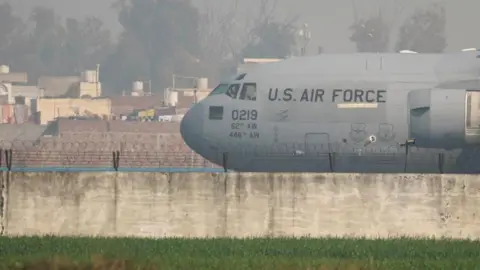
366	110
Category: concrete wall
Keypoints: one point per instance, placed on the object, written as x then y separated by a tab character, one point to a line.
157	204
51	108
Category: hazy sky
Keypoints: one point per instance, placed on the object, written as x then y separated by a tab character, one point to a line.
328	19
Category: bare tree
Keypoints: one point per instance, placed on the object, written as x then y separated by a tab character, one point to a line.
261	18
397	27
226	33
217	28
424	32
371	35
268	37
375	33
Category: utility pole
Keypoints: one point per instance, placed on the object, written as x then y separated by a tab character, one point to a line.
98	80
195	79
305	36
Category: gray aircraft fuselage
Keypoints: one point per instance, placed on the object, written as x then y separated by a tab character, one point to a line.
343	113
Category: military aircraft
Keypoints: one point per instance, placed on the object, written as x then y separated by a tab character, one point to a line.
360	112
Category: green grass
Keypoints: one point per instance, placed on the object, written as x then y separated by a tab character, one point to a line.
233	254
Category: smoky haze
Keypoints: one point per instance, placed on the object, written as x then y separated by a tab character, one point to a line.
161	38
328	19
54	41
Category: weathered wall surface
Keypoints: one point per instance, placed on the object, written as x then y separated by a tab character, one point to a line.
183	204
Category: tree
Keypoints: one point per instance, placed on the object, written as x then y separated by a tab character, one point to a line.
424	32
12	37
228	35
271	40
11	27
160	37
87	43
268	38
219	39
56	48
371	35
42	51
416	29
51	46
377	32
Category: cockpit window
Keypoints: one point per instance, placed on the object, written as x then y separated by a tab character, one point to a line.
233	90
249	91
220	89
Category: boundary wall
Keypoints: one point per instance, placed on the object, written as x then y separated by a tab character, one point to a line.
239	204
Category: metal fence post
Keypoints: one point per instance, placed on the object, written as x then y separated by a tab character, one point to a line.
115	160
8	159
225	160
118	159
441	161
407	143
331	157
406	158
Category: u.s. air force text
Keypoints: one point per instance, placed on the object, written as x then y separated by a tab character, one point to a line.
334	95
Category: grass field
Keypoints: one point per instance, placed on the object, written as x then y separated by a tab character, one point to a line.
229	254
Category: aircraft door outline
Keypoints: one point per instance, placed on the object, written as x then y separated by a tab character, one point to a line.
320	139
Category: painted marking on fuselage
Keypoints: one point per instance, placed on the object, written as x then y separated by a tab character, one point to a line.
357	105
337	95
244	115
241	130
243	125
244	134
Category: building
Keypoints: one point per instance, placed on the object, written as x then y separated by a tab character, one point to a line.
49	109
7	81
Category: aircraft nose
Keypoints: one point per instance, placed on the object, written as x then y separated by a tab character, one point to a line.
191	127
